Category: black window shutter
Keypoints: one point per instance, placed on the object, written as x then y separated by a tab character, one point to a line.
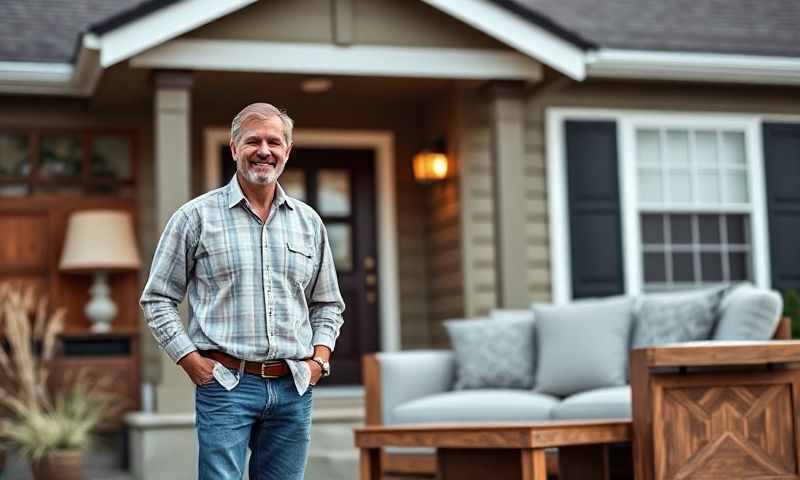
594	210
782	169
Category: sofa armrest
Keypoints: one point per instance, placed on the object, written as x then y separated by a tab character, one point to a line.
392	378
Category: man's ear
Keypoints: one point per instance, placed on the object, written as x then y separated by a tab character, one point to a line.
232	146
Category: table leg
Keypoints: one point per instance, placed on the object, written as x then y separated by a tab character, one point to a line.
370	463
534	465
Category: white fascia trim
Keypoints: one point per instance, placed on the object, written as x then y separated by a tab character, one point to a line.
704	67
280	57
162	25
518	33
54	78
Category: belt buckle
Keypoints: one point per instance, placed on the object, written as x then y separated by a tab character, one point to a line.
263	373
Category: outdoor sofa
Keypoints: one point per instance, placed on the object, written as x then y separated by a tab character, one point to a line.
552	362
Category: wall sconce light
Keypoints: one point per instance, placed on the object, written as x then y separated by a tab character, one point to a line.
432	164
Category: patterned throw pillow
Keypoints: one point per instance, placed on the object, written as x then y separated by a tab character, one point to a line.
675	317
493	353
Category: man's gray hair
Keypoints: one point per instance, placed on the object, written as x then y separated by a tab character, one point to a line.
262	110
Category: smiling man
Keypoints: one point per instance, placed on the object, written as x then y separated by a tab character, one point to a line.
264	307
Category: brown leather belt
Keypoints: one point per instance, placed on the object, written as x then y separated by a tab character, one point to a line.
271	369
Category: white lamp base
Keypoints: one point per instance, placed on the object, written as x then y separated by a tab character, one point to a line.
101	309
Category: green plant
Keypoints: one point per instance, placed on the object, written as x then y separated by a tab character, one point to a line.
791	309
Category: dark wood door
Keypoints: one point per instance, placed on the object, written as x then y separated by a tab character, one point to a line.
340	185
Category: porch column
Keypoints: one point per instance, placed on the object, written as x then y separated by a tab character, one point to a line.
173	99
508	159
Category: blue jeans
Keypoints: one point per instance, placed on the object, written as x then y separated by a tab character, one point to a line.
266	415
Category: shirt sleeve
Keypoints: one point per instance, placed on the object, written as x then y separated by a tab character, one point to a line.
325	304
169	275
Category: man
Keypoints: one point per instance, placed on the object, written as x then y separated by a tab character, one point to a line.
264	307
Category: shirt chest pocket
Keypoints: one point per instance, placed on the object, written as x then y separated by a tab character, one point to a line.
299	262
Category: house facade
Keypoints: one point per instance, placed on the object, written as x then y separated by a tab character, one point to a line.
597	147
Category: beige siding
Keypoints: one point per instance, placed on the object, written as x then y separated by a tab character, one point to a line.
617	95
477	206
373	22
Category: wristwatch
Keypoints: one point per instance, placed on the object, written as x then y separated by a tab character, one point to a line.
324	365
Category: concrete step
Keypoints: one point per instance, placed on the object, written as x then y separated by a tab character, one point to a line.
332	465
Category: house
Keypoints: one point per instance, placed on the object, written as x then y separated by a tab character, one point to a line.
597	147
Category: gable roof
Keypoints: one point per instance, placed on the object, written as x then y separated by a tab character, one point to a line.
49	30
62	46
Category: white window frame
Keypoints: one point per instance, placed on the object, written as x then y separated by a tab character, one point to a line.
627	121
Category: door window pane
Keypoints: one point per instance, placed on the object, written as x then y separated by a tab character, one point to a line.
334	192
111	157
293	182
339	235
60	156
14	155
737	263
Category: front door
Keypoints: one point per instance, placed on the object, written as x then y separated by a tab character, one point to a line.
340	185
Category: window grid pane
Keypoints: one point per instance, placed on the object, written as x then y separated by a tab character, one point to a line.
685	167
690	250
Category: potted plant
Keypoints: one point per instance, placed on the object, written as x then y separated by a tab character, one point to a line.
791	309
51	427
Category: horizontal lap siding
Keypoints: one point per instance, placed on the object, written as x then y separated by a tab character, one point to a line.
478	204
538	250
446	291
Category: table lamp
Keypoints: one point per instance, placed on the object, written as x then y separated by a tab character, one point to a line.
99	242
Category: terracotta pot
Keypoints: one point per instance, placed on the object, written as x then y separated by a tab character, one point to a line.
59	465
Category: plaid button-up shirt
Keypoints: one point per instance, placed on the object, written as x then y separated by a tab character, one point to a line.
256	290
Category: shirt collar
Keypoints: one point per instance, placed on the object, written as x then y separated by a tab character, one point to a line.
235	195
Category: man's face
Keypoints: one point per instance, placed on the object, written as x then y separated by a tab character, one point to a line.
261	152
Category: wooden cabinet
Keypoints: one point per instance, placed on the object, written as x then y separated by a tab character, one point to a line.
717	410
111	355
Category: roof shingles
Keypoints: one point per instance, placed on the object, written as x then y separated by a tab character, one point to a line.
47	30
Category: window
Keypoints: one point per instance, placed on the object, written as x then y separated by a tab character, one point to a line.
692	200
65	162
693	193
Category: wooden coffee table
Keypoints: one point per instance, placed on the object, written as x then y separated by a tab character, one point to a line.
511	451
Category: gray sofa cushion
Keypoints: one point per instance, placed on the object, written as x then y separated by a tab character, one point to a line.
493	354
675	317
476	405
504	314
614	402
583	345
748	313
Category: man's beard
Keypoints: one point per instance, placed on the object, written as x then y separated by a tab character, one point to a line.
259	178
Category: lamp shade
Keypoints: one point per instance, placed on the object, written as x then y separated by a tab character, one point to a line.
99	240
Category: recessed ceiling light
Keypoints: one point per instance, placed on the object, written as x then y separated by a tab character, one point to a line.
316	85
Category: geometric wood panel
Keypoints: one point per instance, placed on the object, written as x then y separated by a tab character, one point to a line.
744	431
